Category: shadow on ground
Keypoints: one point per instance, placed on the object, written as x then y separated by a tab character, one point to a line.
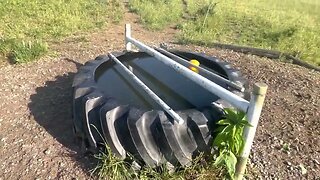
51	107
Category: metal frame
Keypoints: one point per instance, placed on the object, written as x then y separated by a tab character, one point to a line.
200	80
252	108
201	69
153	95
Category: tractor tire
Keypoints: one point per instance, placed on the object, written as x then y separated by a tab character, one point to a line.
151	137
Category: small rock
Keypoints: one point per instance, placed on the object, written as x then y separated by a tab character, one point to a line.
288	163
61	164
316	162
303	169
281	141
47	151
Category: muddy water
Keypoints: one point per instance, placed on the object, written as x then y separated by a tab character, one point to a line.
176	90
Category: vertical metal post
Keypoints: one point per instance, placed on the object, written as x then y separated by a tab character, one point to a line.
127	34
253	114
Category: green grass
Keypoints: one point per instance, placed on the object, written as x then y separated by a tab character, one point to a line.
157	14
291	26
26	27
20	51
111	167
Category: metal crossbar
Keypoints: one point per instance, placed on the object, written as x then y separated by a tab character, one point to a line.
253	108
201	69
200	80
153	95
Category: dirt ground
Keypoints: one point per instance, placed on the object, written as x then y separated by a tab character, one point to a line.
36	139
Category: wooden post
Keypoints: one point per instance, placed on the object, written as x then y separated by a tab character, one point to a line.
253	114
127	34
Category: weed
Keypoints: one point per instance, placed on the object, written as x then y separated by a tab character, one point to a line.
286	147
112	166
229	140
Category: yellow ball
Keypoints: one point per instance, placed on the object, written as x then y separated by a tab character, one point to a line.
196	63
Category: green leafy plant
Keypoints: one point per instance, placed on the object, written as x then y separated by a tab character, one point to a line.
229	140
286	147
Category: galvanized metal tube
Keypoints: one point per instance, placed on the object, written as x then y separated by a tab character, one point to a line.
201	69
253	115
202	81
128	34
153	95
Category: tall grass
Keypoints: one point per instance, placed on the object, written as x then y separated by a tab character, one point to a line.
112	167
291	26
156	14
27	26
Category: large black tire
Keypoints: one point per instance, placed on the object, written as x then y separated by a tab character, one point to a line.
150	136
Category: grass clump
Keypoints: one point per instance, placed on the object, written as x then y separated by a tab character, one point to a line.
26	27
19	51
112	167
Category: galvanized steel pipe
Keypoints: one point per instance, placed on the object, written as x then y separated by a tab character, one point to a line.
200	80
153	95
201	69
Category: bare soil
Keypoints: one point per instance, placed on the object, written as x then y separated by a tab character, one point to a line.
36	138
